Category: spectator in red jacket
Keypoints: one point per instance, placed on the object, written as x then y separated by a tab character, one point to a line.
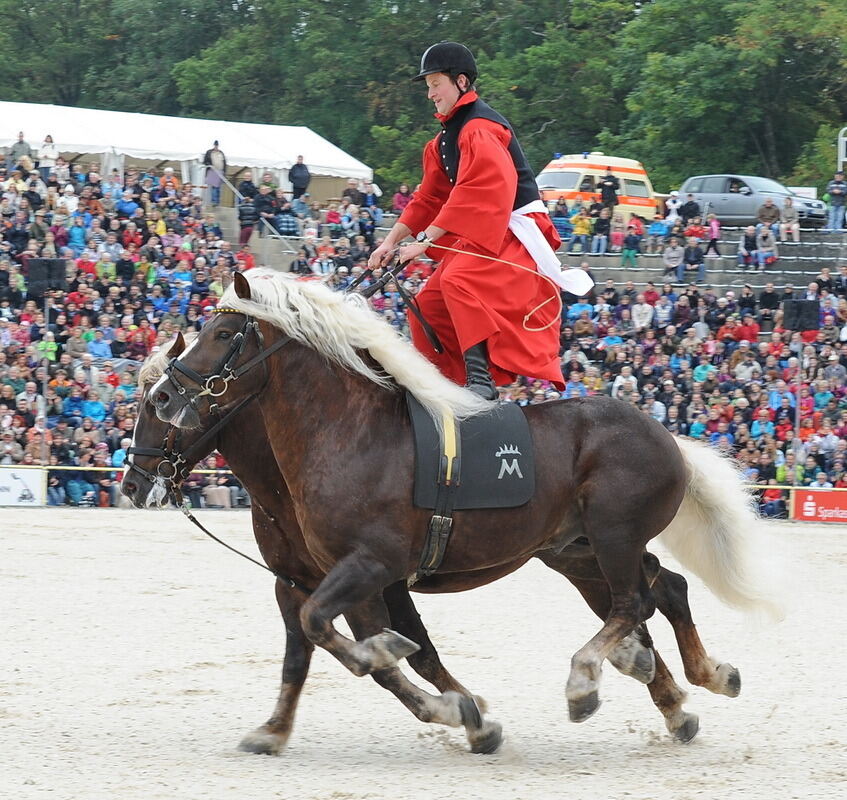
749	329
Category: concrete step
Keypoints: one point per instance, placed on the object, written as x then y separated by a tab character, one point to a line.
720	272
270	251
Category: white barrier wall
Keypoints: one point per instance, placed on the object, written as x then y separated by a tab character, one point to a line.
22	487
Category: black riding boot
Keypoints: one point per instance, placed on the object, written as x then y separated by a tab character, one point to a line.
479	378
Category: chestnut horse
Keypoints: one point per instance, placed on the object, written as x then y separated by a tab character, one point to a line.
161	457
325	371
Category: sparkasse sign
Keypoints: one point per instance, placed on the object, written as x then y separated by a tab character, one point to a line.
819	505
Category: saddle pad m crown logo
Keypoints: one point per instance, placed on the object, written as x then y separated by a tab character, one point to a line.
508	466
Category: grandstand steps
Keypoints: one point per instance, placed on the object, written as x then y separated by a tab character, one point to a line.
798	264
720	273
275	252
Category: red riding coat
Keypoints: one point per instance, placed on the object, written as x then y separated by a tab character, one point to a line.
471	299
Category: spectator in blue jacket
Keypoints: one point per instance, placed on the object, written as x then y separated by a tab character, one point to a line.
93	407
577	308
98	346
126	206
656	234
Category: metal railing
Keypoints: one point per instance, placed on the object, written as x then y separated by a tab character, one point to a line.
271	233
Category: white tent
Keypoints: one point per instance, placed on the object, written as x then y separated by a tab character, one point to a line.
117	135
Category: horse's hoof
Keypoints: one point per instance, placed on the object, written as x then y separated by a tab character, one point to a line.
581	708
633	659
688	730
731	680
263	742
644	666
487	739
471	716
381	651
481	703
398	645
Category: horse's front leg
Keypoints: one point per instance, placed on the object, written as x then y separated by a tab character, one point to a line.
351	581
270	738
452	707
426	661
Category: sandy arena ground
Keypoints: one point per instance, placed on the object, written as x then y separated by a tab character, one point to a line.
136	653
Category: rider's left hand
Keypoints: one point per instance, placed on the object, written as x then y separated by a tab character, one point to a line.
408	252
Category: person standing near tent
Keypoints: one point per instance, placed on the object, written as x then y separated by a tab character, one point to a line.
299	176
47	155
215	162
479	197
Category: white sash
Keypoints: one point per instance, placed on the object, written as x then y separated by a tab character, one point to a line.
575	281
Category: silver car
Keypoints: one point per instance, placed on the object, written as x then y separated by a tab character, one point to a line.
735	199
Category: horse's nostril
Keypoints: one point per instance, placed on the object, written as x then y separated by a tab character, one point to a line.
130	488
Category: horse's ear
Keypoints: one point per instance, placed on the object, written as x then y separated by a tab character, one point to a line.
178	346
242	287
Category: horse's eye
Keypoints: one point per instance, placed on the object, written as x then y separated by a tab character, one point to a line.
224	335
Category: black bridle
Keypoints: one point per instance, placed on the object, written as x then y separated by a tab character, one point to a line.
216	383
176	464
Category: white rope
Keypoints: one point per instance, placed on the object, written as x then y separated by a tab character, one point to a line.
556	296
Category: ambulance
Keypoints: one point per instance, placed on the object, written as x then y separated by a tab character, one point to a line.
575	177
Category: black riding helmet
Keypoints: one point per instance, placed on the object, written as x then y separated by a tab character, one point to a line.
451	58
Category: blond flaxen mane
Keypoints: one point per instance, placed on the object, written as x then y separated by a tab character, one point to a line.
339	327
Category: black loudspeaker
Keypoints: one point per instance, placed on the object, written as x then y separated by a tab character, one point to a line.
801	315
45	274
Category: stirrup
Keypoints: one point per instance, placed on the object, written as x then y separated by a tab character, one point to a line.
487	391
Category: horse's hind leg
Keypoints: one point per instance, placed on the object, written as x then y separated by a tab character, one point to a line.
270	738
578	564
582	571
671	593
426	661
451	708
618	548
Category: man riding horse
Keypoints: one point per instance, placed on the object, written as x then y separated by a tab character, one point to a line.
479	200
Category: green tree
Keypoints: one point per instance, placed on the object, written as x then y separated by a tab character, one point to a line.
149	37
51	47
728	86
816	163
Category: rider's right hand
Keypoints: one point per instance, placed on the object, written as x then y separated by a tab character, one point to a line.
381	256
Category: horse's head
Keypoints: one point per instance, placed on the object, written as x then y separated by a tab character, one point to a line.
161	455
223	367
155	463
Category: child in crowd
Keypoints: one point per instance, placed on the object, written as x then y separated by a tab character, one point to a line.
714	232
656	234
631	248
618	233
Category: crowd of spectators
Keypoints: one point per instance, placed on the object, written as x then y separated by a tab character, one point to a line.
683	236
143	261
720	368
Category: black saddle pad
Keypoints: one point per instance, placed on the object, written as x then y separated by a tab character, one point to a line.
497	467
